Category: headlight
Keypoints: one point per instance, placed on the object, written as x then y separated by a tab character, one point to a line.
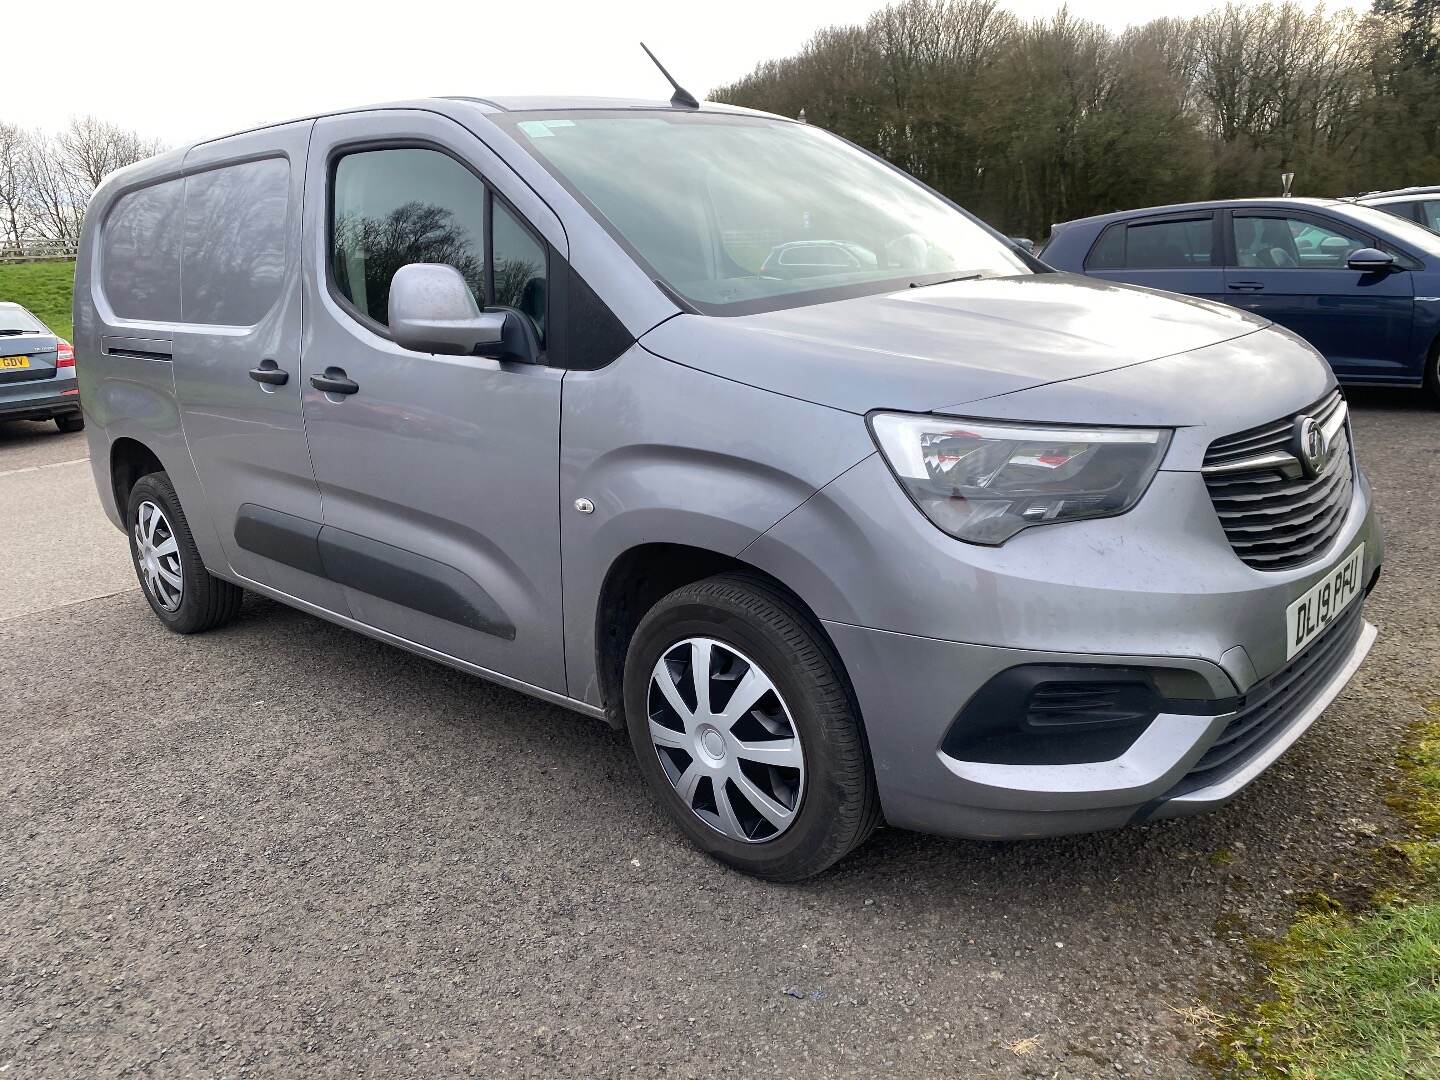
984	482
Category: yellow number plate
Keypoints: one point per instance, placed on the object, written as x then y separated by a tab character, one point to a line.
10	363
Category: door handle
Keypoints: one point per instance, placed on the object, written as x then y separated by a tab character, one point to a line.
334	381
1246	286
269	372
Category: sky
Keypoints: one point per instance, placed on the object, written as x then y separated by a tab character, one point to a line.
180	70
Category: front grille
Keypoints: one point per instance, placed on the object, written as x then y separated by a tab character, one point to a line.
1271	704
1273	515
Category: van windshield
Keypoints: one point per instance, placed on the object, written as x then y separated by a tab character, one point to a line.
739	214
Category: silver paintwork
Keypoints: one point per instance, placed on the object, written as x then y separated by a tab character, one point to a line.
158	556
432	310
454	458
716	752
740	437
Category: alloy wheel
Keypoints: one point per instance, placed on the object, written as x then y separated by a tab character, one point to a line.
726	740
158	556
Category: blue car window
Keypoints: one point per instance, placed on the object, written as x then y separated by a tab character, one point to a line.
1109	251
1161	245
1276	243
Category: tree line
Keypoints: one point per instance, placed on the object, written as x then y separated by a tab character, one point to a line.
1027	123
46	180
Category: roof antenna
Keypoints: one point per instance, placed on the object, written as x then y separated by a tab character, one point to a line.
682	98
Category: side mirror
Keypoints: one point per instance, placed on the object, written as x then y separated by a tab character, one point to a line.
1371	260
1024	242
432	310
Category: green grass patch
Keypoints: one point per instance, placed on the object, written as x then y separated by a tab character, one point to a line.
1357	996
44	288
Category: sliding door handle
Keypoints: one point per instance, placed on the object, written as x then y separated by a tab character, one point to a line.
334	381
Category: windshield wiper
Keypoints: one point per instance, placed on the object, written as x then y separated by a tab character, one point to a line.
943	281
7	332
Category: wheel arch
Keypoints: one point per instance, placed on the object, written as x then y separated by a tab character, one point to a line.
130	459
639	577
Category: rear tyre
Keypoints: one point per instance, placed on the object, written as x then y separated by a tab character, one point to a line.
746	730
70	422
1432	374
185	596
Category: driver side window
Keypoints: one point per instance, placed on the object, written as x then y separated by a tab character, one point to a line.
1287	243
407	205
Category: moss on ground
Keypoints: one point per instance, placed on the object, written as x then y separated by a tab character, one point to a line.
1356	996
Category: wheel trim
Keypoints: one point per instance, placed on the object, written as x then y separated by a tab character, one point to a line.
158	556
726	740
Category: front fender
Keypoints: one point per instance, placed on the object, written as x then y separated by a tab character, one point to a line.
666	454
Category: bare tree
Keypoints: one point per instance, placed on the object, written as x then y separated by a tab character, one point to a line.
57	174
54	203
91	149
14	152
1027	122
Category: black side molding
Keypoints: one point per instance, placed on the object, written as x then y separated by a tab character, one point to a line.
383	570
414	581
283	537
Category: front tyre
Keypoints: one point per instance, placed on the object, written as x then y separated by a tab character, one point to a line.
746	731
185	596
1432	374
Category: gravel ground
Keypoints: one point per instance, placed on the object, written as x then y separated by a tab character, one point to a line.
282	849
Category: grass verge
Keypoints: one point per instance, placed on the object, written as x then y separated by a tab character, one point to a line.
44	288
1356	996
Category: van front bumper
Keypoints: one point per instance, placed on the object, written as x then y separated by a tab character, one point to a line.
907	689
924	623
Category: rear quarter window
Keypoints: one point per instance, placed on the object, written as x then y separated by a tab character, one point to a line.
140	253
235	226
1109	251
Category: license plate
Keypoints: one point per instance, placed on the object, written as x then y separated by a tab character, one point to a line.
11	363
1307	618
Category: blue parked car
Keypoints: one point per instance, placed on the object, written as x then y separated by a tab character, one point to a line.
1361	285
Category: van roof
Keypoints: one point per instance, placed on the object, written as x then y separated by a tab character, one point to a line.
503	104
556	103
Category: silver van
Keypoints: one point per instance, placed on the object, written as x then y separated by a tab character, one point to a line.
711	425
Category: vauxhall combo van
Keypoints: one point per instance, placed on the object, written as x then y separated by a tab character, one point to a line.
709	424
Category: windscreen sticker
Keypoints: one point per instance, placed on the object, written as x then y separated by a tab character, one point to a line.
543	129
